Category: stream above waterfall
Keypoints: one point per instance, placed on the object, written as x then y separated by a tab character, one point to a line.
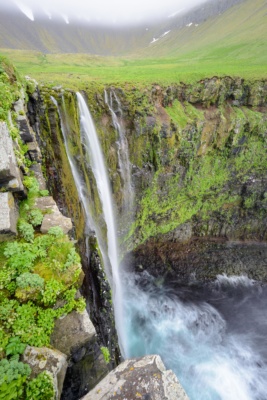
212	336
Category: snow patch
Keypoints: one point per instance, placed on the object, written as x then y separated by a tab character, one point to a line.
191	23
48	13
161	36
175	13
154	40
66	18
25	10
165	33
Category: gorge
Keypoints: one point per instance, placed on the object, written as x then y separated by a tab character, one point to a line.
171	268
133	206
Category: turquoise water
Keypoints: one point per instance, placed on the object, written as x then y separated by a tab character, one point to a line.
214	337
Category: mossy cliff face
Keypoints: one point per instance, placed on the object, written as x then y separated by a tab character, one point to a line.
197	156
198	161
49	121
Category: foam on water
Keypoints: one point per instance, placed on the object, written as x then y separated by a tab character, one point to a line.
215	355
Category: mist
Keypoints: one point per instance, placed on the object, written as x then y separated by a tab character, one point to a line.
104	12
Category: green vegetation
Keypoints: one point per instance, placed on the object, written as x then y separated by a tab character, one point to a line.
36	271
106	353
209	156
231	44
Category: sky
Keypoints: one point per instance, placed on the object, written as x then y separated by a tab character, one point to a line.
101	11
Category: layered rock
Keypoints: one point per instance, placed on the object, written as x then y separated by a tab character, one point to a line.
144	378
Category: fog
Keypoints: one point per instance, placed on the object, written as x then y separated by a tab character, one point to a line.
116	12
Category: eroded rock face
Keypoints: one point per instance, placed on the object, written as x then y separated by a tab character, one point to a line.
43	359
145	378
8	216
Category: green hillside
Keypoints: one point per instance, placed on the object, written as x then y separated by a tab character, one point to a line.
233	43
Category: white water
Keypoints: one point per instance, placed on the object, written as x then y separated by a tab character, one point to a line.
100	173
80	185
214	339
115	109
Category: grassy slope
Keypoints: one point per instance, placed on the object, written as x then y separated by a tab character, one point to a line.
233	43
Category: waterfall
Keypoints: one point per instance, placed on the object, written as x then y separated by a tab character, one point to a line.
115	109
93	148
81	187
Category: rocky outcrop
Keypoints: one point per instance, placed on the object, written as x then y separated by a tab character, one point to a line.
8	216
144	378
53	216
44	359
10	177
75	336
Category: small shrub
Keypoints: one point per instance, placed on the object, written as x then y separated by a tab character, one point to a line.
56	231
15	346
30	280
35	217
106	353
26	230
13	375
73	258
31	184
53	288
43	193
41	388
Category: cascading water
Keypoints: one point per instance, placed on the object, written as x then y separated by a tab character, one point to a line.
114	105
213	337
102	182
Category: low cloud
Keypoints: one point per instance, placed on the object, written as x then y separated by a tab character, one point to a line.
103	11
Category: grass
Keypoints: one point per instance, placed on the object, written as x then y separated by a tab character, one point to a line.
78	70
233	43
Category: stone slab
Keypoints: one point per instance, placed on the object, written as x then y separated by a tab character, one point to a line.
143	378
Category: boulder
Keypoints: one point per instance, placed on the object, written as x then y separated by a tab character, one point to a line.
56	219
143	378
8	216
75	335
72	332
54	216
43	359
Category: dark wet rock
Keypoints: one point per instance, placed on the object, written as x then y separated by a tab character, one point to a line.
142	378
200	259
